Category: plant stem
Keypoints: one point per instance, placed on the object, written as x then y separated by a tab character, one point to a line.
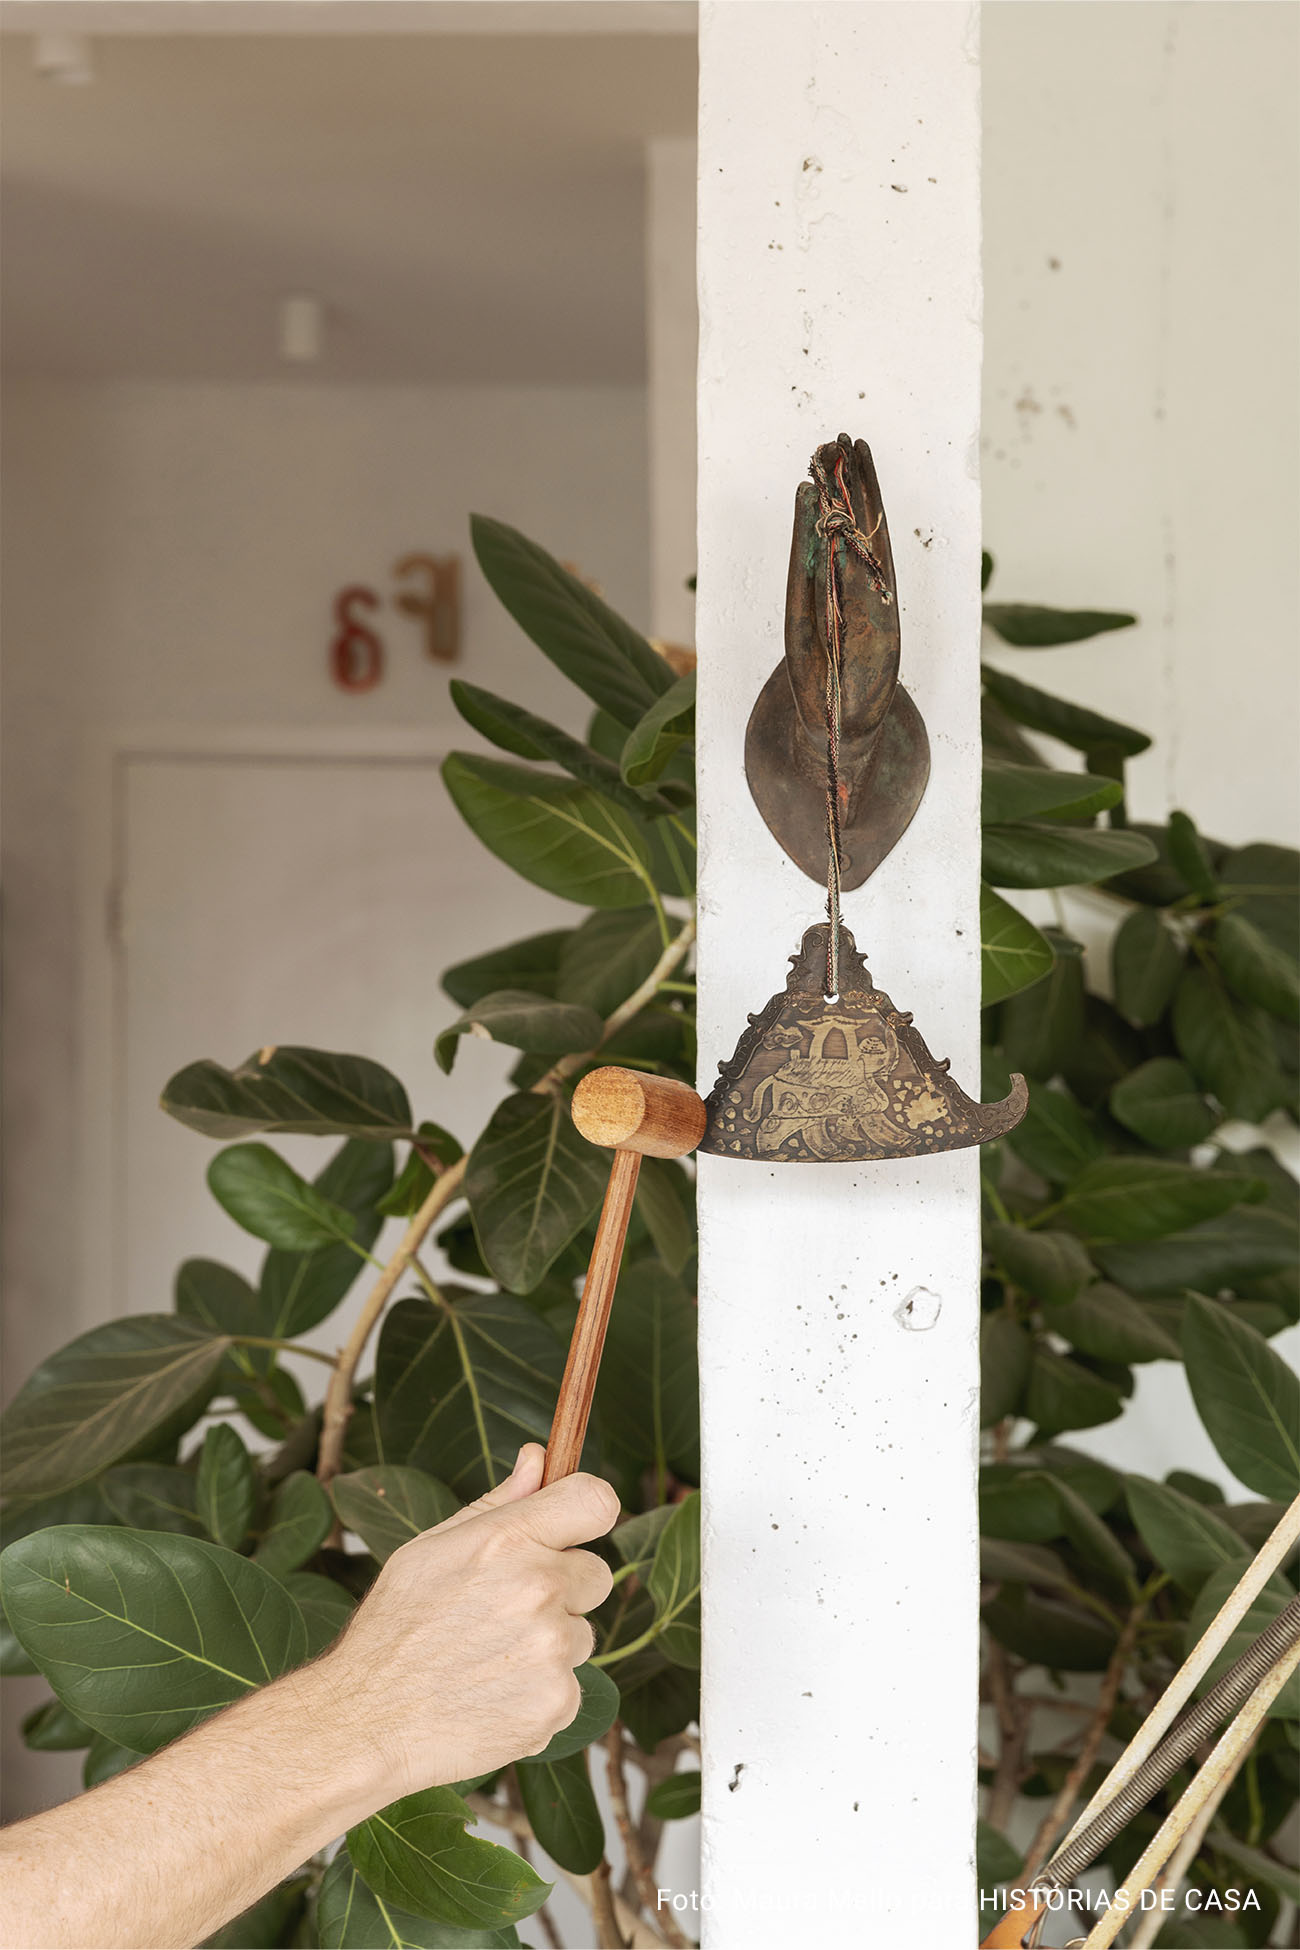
636	1862
1013	1724
1053	1821
608	1934
290	1347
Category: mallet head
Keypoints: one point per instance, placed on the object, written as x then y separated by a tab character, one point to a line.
627	1110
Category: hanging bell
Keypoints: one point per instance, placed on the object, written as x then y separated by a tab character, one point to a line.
820	1079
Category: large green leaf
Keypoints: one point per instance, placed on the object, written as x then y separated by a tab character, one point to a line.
296	1290
151	1496
1190	857
665	1199
1247	1397
1039	1028
223	1302
532	1182
52	1729
647	1395
1162	1102
1146	962
1240	1245
102	1396
606	960
326	1607
532	963
1061	1395
1145	1198
459	1387
559	835
1255	968
674	1584
559	1803
415	1180
1046	1265
142	1633
593	1719
1055	1137
1013	954
1003	1563
1048	1631
1006	1349
1095	1542
1060	856
290	1089
389	1503
226	1489
599	652
1107	1323
1184	1537
524	1021
1263	882
1272	1599
299	1520
269	1920
349	1916
266	1196
520	731
1014	792
657	734
1030	626
417	1855
1073	724
677	1798
1228	1045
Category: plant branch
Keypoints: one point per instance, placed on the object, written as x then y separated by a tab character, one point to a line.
609	1934
289	1347
1013	1724
636	1862
1056	1816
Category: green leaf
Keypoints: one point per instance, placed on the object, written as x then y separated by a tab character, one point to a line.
1236	1246
299	1289
676	1798
1006	1349
1258	1866
1162	1102
1048	1631
647	1394
593	1719
1013	954
1227	1045
1255	968
997	1862
1062	1395
349	1916
223	1302
1031	627
1263	882
268	1920
1004	1563
460	1387
52	1729
1109	1047
561	836
1146	962
1060	856
1189	857
290	1089
1055	1137
657	734
265	1195
415	1180
607	958
417	1855
531	1183
143	1633
300	1519
326	1607
1146	1198
524	1021
1013	792
1073	724
674	1584
559	1803
986	569
1184	1537
1047	1265
151	1496
637	1538
1273	1599
1018	1505
532	963
102	1396
1039	1028
105	1759
389	1504
1105	1322
1246	1396
522	732
665	1199
1094	1541
583	637
226	1488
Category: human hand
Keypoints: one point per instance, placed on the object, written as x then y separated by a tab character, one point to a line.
462	1655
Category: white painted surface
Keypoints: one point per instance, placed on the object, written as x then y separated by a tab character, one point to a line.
840	1625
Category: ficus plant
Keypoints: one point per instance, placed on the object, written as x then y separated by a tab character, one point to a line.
176	1448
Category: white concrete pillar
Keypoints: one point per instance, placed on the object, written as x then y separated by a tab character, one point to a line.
671	353
839	291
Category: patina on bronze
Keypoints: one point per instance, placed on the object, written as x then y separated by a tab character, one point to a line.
884	754
818	1079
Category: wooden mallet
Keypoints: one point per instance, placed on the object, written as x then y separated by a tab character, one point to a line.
640	1117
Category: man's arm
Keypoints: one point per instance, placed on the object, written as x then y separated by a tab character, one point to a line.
460	1659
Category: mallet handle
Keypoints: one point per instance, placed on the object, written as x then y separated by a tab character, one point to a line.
573	1406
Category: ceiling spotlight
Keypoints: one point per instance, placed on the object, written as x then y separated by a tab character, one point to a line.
302	329
65	58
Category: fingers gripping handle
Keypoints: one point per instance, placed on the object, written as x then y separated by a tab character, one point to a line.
641	1116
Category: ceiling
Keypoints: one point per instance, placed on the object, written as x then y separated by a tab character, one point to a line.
467	207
